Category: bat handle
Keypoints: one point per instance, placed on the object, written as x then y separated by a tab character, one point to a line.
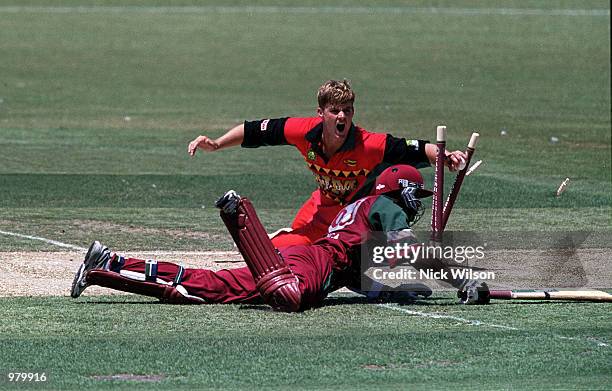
500	295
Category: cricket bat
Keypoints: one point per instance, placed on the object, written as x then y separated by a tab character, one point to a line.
553	294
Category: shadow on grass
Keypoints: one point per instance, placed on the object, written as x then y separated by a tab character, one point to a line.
339	300
349	300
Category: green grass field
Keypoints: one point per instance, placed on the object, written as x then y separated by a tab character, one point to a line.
345	345
98	104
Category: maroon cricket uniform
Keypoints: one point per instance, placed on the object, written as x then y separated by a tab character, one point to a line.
320	267
339	177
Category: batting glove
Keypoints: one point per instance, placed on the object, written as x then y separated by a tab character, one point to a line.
228	202
474	292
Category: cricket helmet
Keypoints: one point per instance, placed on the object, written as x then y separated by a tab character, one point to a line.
399	177
404	184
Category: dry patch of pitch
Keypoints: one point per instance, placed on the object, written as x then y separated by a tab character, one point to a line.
51	273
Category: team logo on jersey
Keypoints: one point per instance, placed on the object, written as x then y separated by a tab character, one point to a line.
350	162
311	155
336	188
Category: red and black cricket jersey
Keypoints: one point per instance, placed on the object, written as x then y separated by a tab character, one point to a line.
340	176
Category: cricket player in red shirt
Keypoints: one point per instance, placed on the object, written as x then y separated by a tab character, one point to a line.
339	153
289	279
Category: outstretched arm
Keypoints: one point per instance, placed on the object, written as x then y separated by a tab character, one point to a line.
233	137
419	153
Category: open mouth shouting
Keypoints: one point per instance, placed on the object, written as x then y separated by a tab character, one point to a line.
337	121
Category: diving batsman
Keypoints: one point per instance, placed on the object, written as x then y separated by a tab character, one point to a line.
289	279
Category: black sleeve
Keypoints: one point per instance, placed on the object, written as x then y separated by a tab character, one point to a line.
264	132
402	151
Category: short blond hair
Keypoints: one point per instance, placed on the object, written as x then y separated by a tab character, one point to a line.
335	92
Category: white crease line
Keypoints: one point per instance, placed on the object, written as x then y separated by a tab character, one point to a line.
50	241
598	342
156	252
479	323
440	316
307	10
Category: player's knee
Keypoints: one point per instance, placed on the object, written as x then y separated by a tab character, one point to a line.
178	295
281	290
